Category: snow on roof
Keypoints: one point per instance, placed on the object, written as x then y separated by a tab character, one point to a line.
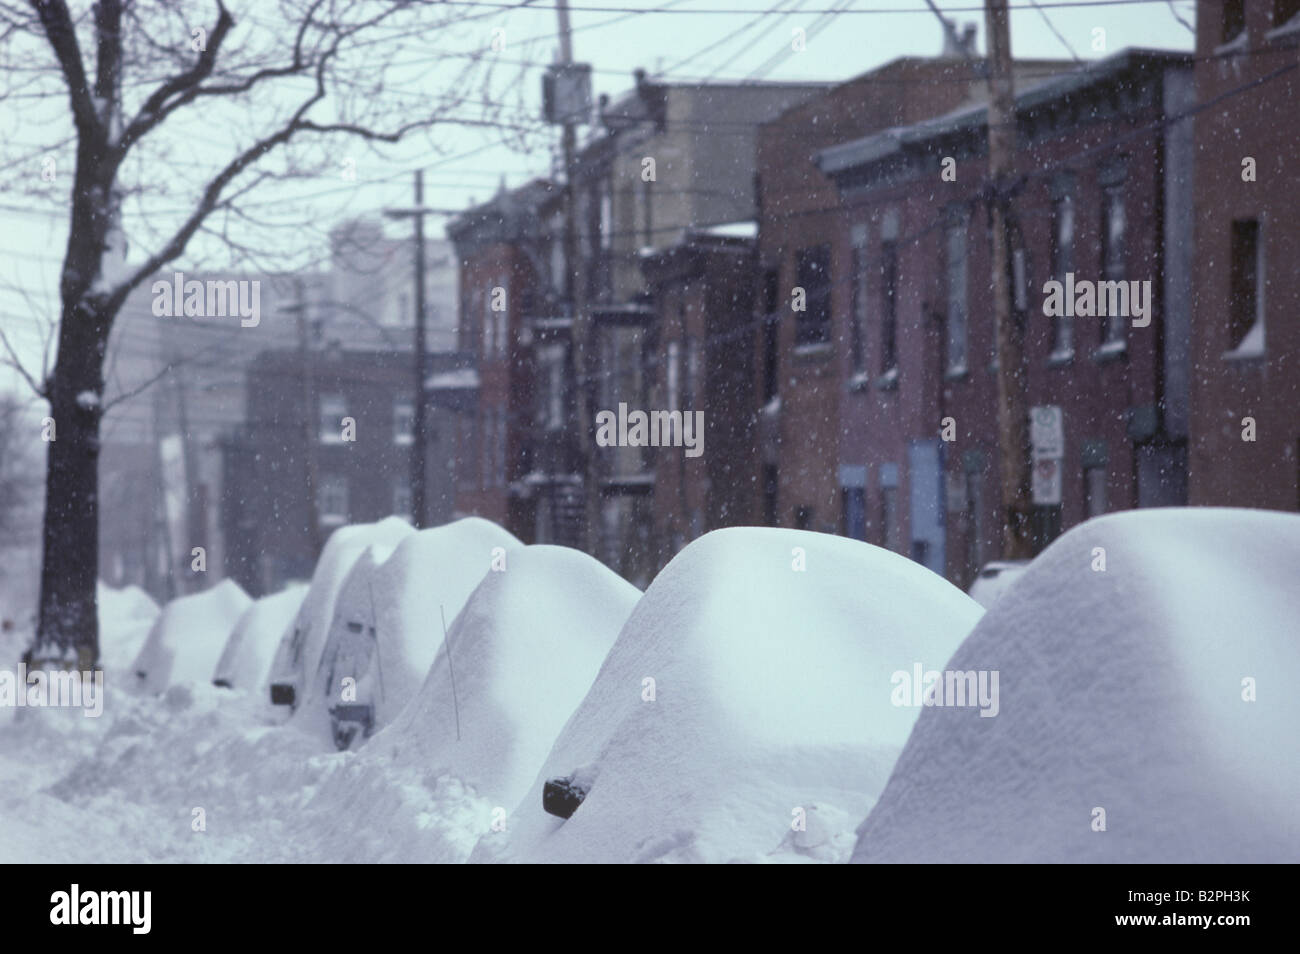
402	599
522	652
459	379
1121	690
246	661
186	640
752	679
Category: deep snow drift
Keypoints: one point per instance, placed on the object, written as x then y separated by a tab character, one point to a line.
387	619
246	661
125	617
1121	690
523	653
187	638
771	696
299	652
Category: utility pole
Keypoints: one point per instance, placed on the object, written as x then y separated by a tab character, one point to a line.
576	294
310	418
1013	411
419	509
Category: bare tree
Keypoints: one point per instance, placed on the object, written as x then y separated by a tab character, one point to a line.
319	69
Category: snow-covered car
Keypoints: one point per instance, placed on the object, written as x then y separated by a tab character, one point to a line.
994	579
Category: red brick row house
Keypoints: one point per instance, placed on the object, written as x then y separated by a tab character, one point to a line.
1246	316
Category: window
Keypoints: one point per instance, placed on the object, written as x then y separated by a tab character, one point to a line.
672	377
501	447
607	219
1234	19
332	499
401	498
813	275
487	422
553	363
889	306
770	485
1063	262
1094	490
1246	301
855	513
889	517
771	333
974	516
1112	258
403	421
858	320
771	290
332	411
692	383
803	518
956	321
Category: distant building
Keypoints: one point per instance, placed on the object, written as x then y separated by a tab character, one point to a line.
339	420
1246	303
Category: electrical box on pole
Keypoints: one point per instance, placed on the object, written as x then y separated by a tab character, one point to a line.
566	93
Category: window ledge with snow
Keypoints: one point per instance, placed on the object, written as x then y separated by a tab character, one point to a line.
956	372
887	381
1110	351
1060	358
813	349
859	381
1238	44
1288	32
1252	346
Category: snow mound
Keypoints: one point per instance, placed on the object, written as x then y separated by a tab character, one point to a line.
186	640
246	661
1121	690
393	609
125	618
299	652
522	654
750	684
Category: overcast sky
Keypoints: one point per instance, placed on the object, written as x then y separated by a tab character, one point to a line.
684	40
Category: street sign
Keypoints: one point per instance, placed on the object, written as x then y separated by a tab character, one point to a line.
566	93
1047	431
1046	482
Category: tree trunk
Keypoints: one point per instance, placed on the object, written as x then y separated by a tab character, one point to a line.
68	628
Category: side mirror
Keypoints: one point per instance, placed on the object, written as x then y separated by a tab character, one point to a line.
562	796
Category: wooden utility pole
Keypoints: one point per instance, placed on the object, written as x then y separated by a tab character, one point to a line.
1013	410
310	419
419	449
576	294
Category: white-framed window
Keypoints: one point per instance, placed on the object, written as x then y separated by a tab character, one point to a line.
1063	262
333	408
1112	255
956	275
402	498
672	376
1246	289
403	421
332	499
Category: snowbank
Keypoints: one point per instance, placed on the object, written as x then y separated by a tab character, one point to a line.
125	618
394	607
770	704
1121	690
522	654
300	647
186	640
246	661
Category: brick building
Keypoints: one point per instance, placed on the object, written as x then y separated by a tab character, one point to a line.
1104	158
806	359
341	420
1246	321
